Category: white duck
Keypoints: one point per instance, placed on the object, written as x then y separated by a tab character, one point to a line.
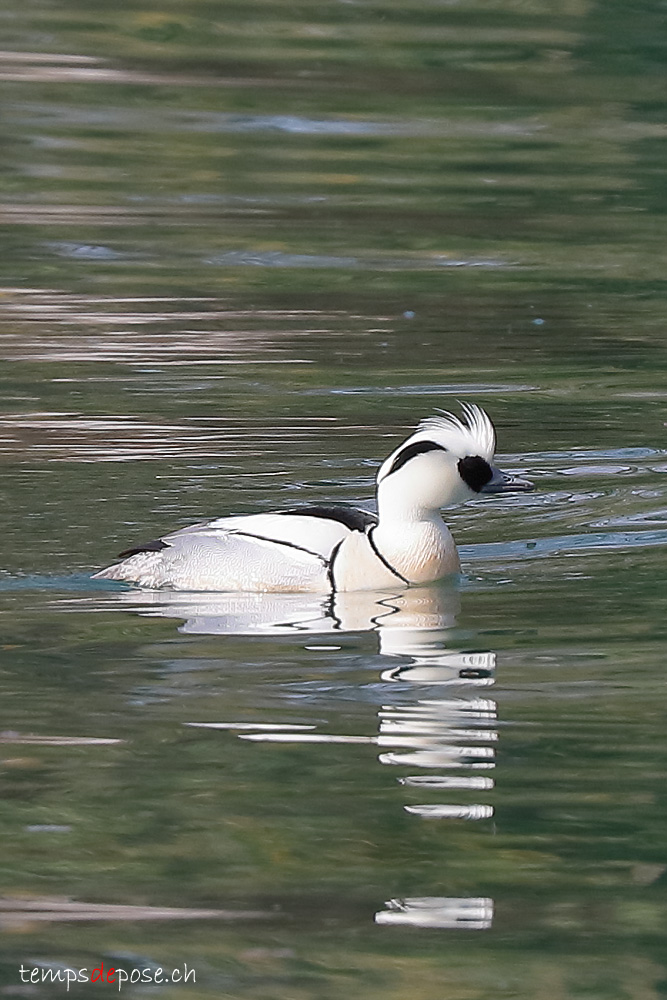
325	547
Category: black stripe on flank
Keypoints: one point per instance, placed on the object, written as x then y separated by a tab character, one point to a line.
278	541
330	570
330	609
384	561
410	450
475	472
351	517
155	546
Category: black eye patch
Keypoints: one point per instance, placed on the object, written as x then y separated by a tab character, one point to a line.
418	448
475	472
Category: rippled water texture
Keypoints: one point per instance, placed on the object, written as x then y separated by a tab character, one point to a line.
246	247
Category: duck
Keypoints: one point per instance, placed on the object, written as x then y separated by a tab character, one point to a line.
325	548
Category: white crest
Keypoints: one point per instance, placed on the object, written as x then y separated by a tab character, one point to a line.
474	435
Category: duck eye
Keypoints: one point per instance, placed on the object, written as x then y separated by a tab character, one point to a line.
475	472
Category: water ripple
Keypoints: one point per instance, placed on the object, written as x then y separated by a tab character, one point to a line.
562	545
154	120
278	258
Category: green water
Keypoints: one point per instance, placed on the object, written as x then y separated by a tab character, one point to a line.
246	247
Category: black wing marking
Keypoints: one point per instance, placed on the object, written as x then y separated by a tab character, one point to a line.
352	517
410	450
330	570
278	541
384	561
155	546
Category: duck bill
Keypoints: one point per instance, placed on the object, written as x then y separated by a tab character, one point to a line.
502	482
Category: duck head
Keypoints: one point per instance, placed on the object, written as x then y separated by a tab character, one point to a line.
447	460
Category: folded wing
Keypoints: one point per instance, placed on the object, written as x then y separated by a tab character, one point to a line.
283	551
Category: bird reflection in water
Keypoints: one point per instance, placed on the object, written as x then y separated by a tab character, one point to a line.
445	734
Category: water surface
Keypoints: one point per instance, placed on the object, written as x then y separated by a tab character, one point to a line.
246	248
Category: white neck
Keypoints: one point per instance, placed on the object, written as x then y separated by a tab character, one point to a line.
413	537
396	508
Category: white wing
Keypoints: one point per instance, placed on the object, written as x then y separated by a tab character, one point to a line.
317	535
257	552
222	561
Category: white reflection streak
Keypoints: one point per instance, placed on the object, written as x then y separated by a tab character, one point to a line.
471	913
304	738
448	734
446	781
433	758
451	812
